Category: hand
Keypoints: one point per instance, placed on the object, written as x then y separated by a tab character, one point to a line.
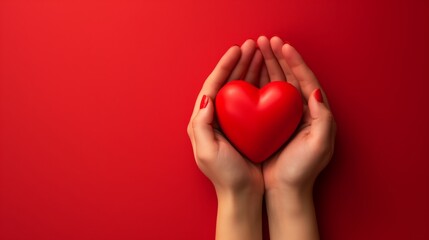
289	175
228	170
238	182
300	161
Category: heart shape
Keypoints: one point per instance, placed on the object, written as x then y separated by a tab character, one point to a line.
258	121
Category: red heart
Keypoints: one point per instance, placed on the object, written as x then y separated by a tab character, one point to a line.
258	121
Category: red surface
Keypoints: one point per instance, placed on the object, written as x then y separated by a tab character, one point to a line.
258	122
95	98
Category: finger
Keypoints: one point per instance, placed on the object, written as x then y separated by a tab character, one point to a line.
305	77
247	51
274	70
276	45
322	121
219	75
264	79
221	72
254	71
205	146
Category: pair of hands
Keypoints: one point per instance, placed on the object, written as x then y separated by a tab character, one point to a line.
296	166
286	180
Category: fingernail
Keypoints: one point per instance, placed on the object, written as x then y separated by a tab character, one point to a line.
318	95
204	102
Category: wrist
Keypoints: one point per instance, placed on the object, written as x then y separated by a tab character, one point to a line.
290	201
287	186
290	197
246	197
291	213
249	190
239	215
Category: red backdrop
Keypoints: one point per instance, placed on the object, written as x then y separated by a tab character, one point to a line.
96	95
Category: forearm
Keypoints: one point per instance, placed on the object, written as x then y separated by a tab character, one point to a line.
291	215
239	216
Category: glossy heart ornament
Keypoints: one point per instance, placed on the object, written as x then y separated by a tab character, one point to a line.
258	121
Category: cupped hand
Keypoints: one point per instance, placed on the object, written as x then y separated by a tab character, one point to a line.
227	169
299	162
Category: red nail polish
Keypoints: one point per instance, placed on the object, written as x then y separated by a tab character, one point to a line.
318	95
204	102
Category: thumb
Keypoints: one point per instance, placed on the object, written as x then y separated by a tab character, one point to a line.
322	119
205	142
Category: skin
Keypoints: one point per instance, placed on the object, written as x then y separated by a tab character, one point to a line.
290	174
238	183
288	177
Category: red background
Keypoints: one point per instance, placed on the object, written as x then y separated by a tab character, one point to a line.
96	95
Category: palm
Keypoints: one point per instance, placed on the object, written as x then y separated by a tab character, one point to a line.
293	163
237	169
